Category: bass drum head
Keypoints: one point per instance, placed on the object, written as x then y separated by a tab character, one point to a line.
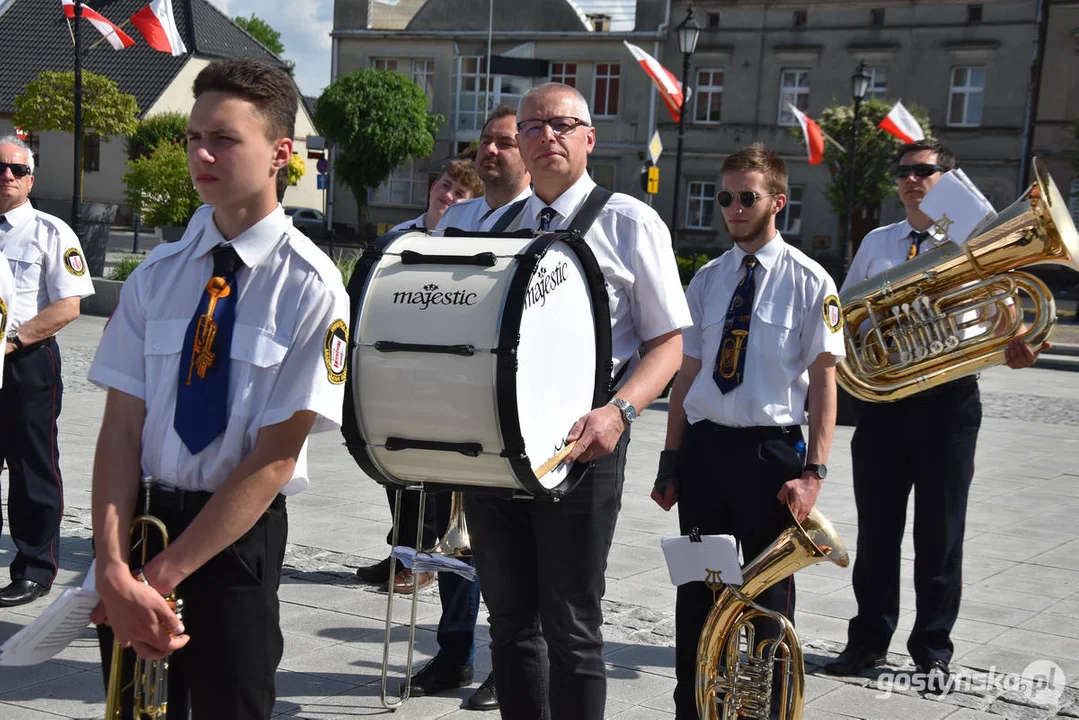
556	359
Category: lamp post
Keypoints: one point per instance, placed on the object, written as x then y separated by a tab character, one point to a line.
859	85
688	33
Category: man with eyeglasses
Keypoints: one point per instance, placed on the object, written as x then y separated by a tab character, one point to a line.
926	443
765	337
541	564
51	277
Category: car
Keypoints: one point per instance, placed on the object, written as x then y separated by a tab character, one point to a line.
310	221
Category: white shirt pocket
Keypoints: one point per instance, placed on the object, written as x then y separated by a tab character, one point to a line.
771	328
260	355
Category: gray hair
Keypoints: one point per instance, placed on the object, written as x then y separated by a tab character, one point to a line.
554	87
14	140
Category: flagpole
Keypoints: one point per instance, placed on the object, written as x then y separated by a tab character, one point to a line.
71	32
487	81
106	37
76	194
831	139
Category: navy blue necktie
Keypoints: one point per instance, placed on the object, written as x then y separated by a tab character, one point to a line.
203	393
916	240
730	365
545	216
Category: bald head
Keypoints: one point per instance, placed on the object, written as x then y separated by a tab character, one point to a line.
546	90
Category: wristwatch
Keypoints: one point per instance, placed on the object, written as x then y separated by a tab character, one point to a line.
819	468
13	338
629	413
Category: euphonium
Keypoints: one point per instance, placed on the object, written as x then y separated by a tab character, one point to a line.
736	682
952	311
150	682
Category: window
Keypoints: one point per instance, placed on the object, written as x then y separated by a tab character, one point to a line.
565	73
384	63
423	74
793	89
708	97
974	13
471	91
878	83
700	203
789	219
605	93
509	89
876	17
405	186
801	17
711	21
967	94
91	152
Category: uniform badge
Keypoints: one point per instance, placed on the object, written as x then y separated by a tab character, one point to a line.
833	315
74	263
3	317
335	351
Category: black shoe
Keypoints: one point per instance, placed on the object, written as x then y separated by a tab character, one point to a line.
485	697
938	677
20	592
377	573
438	676
853	660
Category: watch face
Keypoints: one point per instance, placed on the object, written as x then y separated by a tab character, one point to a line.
630	412
822	471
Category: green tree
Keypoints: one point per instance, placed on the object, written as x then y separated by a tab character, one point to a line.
159	187
47	104
379	120
259	29
154	130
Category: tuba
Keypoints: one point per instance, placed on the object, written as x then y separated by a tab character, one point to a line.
952	311
735	671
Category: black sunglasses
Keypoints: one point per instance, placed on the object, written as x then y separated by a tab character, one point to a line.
747	197
921	170
19	170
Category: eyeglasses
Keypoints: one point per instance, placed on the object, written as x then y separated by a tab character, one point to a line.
921	170
560	126
19	170
747	197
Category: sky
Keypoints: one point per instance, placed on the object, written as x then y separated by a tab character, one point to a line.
305	31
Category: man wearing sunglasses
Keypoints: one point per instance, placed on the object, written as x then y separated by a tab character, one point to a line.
765	337
541	564
926	443
50	279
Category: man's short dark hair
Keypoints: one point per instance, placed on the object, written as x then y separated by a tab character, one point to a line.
500	111
758	157
945	158
267	87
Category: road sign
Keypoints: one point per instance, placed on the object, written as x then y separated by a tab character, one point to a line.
323	182
322	165
653	180
655	147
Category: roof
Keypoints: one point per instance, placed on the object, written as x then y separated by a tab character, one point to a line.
398	14
509	15
35	40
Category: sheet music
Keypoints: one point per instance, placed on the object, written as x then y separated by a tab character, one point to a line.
424	562
714	558
56	628
956	206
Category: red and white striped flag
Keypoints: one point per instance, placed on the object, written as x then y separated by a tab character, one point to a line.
813	134
157	25
667	84
116	37
901	123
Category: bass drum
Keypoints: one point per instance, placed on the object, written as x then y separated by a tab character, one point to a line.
474	355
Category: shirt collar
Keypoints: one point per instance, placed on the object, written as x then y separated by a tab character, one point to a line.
253	244
19	215
565	204
933	235
767	256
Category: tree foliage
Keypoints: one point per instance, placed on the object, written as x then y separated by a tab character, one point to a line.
379	120
158	186
47	104
154	130
875	156
259	29
297	168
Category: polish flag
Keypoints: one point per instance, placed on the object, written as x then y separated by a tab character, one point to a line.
813	135
116	37
901	123
667	84
158	27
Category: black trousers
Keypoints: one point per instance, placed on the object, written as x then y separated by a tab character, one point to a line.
729	479
541	566
925	442
410	507
226	671
30	403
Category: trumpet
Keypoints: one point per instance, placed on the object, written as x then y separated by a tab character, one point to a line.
149	686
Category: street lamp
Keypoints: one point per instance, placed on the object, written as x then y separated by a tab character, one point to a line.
859	85
688	33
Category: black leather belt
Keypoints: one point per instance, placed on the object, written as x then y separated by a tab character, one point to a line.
752	432
190	502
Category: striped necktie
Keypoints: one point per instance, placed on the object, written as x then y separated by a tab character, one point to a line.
730	364
916	240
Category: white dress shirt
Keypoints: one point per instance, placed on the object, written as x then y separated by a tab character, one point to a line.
789	330
7	299
477	215
290	294
409	224
46	259
633	248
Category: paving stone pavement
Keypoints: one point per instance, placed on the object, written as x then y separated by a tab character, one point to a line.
1020	602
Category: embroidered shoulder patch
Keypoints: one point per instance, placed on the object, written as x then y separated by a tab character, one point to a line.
335	351
833	315
74	263
3	317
